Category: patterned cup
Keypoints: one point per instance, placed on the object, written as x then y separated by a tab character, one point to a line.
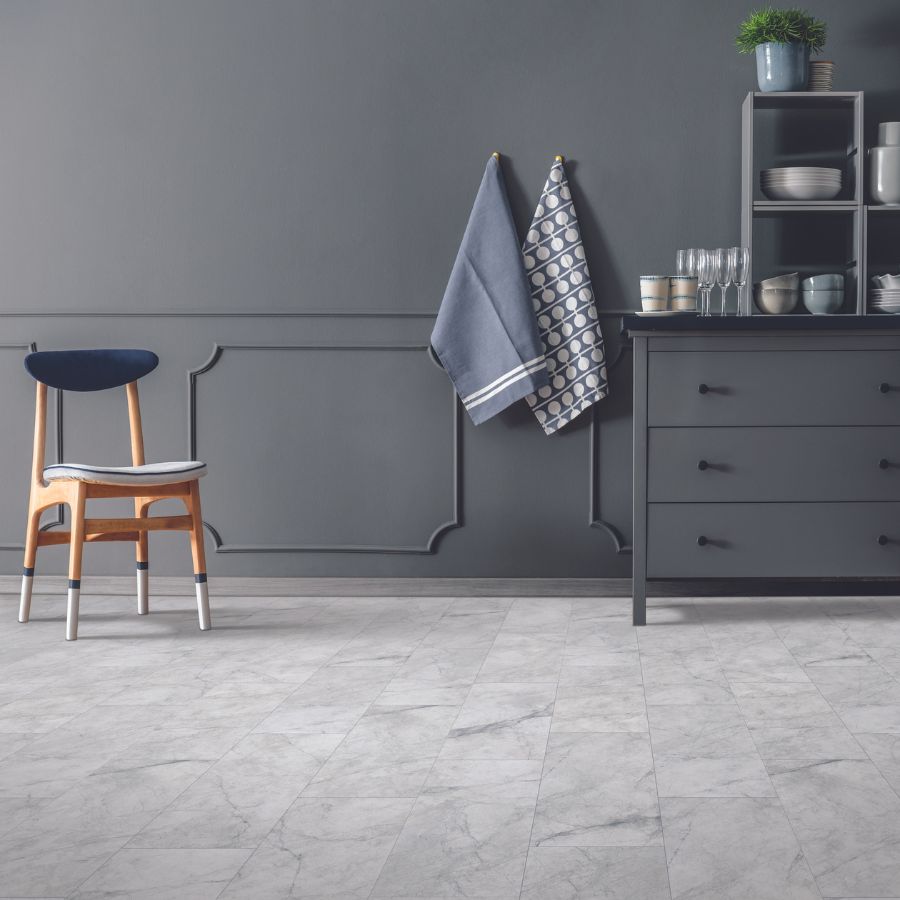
684	286
655	287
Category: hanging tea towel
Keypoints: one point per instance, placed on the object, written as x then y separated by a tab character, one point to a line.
564	304
486	336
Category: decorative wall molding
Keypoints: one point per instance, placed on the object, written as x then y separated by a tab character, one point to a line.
430	544
240	314
594	518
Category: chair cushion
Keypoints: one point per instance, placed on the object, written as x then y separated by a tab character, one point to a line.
153	473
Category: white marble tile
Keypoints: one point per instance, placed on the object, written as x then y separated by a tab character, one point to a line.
603	708
784	704
762	660
502	721
586	873
331	701
162	875
239	798
848	821
820	643
389	753
866	699
466	836
438	667
330	847
884	751
717	776
739	848
682	666
597	790
523	657
613	669
700	730
786	742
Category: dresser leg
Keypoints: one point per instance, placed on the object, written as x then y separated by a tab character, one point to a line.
639	600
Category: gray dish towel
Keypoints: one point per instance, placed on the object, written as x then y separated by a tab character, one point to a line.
486	334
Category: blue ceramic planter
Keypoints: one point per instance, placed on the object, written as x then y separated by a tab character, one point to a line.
782	67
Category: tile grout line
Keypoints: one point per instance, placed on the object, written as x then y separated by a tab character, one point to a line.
528	846
415	799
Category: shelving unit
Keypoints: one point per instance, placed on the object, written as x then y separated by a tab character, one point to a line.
810	236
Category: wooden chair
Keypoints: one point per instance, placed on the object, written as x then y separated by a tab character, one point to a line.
75	483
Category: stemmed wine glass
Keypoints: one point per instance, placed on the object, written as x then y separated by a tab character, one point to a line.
724	273
740	271
706	274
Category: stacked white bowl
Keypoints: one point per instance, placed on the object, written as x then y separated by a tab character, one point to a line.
801	183
823	295
885	295
821	75
777	296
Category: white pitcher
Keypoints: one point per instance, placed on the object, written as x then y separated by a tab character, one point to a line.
884	164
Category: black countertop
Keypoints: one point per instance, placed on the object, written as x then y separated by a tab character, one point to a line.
689	322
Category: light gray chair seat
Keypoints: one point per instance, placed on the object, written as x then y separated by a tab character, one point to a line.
151	473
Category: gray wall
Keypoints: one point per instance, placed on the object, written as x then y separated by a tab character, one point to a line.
182	174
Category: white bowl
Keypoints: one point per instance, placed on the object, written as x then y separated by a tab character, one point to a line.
775	301
803	170
823	303
892	282
789	282
801	191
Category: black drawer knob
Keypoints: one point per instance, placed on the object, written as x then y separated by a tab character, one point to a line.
702	541
884	387
882	539
703	465
883	464
704	388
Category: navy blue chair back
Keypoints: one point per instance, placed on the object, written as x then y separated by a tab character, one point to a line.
89	370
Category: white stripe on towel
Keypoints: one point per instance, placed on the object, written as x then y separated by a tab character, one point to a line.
496	381
538	365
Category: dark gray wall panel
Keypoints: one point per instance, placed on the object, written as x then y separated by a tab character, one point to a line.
216	156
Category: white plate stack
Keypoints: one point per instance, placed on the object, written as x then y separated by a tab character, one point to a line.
886	300
801	183
821	74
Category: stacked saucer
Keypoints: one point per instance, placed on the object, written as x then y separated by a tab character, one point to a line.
885	300
821	73
801	183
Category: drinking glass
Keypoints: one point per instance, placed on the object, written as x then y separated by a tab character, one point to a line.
740	271
724	274
681	262
692	269
706	274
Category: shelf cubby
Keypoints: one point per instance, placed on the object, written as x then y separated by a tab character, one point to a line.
806	236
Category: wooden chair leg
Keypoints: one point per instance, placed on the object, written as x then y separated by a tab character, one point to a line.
199	557
76	543
143	561
31	544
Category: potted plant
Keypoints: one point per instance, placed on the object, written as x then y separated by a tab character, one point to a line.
782	40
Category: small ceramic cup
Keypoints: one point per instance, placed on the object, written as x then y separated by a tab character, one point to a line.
654	287
687	303
682	286
653	304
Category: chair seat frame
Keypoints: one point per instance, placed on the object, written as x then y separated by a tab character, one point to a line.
75	494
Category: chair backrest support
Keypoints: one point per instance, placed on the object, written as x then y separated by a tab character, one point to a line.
88	370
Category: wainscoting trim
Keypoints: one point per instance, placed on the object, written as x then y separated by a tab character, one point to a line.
430	545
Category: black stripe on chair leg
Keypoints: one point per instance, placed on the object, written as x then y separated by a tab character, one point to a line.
142	566
74	584
200	577
28	573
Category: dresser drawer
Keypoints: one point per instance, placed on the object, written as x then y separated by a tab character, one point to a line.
686	465
805	387
773	540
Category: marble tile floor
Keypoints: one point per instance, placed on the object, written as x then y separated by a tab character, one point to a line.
415	748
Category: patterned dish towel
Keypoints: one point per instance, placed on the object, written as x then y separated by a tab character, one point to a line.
485	334
563	301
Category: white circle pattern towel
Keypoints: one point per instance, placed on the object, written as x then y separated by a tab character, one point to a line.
563	300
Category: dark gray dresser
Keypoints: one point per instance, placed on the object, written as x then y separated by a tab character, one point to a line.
765	448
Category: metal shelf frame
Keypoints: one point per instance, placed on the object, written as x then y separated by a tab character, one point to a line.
754	209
